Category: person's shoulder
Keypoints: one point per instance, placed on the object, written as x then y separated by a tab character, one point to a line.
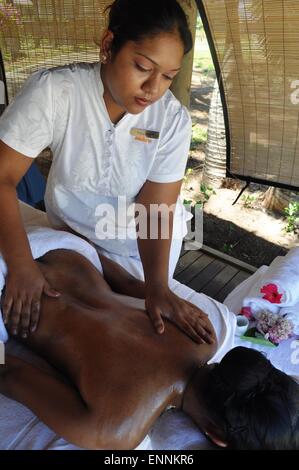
71	73
173	112
173	108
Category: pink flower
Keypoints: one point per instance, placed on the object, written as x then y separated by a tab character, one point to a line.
247	312
271	293
274	327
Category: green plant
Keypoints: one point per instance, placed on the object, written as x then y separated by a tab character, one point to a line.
248	201
204	196
199	136
187	202
188	173
292	216
206	192
228	247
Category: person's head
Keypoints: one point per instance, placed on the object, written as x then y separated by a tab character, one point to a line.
249	404
143	49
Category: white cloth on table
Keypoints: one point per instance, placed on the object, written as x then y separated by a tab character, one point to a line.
175	430
283	277
234	300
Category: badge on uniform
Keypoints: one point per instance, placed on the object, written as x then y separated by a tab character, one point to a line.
144	135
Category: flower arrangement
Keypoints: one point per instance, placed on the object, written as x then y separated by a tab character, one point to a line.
274	327
270	326
9	15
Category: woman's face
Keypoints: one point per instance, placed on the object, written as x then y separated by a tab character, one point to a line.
141	71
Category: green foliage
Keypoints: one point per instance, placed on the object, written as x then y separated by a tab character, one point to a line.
292	216
227	248
188	173
248	201
205	66
206	192
199	136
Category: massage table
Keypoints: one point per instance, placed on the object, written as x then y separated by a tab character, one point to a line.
20	429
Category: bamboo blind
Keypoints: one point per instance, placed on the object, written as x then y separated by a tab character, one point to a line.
256	43
47	33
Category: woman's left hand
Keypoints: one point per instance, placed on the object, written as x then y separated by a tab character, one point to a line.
162	302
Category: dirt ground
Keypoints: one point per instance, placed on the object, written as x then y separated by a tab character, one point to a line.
250	234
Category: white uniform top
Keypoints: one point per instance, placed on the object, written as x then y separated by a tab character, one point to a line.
95	161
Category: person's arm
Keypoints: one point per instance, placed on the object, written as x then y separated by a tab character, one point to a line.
154	254
120	280
56	402
24	282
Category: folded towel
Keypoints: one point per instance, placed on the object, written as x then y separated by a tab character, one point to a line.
279	287
42	240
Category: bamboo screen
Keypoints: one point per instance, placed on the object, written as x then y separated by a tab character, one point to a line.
46	33
256	45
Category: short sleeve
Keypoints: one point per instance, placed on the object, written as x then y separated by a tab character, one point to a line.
173	151
27	123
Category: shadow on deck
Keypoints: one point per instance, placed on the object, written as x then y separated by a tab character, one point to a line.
211	272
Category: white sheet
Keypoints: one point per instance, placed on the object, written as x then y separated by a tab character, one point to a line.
21	430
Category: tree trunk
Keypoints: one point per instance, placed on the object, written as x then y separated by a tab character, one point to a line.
215	162
181	86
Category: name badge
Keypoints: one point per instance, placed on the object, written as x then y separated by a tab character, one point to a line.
144	135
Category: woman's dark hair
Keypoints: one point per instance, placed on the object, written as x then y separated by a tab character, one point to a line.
255	404
135	20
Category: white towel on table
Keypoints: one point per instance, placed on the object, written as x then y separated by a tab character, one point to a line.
42	240
283	275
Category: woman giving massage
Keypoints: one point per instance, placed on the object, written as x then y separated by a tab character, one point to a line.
117	133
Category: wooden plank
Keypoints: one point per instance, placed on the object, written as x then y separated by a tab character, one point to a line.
207	275
211	272
229	259
229	287
194	269
219	281
185	260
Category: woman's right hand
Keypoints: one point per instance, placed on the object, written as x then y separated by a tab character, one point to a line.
22	299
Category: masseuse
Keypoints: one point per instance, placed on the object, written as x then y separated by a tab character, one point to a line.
117	133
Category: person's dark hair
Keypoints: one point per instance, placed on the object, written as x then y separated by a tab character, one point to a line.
135	20
255	404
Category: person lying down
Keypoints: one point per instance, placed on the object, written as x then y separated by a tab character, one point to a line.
113	375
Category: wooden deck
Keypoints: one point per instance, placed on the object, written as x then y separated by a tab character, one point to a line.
211	272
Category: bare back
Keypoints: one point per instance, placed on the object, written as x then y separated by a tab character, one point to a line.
123	369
